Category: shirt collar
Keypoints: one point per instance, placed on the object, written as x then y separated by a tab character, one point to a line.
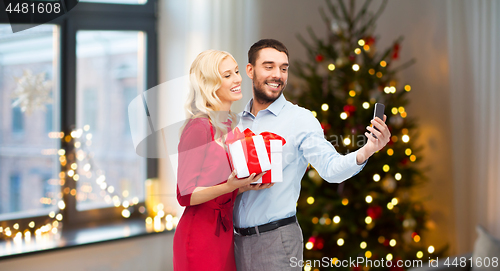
274	108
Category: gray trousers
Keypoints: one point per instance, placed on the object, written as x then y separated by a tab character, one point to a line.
272	250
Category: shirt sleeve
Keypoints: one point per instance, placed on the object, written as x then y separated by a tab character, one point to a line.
192	152
322	155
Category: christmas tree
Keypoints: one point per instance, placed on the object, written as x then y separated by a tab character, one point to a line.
374	214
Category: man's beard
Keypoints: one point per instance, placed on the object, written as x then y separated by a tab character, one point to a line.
260	95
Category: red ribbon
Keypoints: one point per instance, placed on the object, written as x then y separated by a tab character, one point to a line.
248	144
267	139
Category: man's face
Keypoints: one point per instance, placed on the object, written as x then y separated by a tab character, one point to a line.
269	75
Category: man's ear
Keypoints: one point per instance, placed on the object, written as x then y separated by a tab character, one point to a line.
249	70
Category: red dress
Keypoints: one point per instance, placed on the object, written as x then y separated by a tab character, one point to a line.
203	239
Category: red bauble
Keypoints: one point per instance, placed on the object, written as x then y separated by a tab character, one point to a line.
395	51
349	108
325	127
356	268
320	243
369	40
352	57
319	58
374	212
404	162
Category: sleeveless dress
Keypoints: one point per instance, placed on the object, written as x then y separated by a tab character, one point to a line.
203	239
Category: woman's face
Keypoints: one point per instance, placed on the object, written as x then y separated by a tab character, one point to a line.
230	89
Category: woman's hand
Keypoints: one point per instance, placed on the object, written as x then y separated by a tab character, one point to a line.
234	183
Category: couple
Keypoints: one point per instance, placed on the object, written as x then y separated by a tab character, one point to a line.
266	233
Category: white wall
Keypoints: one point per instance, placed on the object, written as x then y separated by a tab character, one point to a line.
474	41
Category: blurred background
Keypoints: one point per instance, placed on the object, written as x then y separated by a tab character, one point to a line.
65	88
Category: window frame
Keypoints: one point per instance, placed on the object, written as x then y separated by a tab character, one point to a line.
95	16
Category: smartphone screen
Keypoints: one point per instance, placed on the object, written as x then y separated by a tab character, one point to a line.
379	113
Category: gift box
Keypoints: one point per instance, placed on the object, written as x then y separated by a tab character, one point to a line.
250	153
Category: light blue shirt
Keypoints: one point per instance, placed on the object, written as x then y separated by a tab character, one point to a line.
305	143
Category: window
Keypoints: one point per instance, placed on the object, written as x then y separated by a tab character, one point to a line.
109	65
26	145
14	193
95	61
129	93
17	120
48	184
49	119
90	108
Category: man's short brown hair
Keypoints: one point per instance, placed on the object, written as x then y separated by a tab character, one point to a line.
253	52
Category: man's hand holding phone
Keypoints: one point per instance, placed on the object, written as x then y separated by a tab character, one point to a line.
377	138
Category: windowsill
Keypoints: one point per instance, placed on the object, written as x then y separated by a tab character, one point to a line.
70	238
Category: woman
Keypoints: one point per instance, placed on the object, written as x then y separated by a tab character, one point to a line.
203	239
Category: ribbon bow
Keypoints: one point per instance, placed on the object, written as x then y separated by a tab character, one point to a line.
221	215
238	135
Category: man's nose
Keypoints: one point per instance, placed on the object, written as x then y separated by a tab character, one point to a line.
276	73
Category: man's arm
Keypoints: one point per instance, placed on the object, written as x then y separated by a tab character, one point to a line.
332	166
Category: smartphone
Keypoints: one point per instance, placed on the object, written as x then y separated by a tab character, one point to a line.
379	113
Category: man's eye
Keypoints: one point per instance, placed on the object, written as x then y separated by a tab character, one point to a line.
269	67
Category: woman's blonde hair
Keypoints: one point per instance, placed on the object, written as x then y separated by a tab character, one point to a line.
205	80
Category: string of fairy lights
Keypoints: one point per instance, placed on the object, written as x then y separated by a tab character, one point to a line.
71	169
315	242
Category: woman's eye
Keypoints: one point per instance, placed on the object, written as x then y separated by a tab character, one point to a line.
227	76
237	72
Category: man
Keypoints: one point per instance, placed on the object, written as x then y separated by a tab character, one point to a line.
267	233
